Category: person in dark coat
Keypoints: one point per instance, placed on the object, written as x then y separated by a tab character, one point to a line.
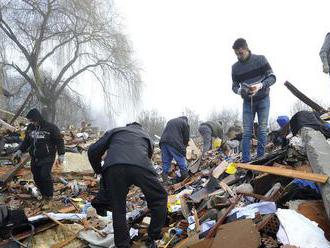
42	140
325	54
208	130
128	162
173	144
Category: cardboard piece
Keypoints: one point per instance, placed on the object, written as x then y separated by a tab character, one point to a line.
238	234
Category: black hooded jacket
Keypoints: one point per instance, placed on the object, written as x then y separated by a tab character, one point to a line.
129	145
176	134
42	140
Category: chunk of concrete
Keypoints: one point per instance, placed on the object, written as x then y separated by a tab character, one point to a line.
318	153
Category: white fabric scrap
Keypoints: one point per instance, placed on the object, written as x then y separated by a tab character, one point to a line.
94	240
133	232
59	216
250	211
300	231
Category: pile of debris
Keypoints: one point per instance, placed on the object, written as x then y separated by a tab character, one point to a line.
279	200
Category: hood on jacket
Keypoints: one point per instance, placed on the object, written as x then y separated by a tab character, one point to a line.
184	118
34	115
134	124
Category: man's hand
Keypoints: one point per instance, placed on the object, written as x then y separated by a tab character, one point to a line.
60	159
255	88
326	68
17	154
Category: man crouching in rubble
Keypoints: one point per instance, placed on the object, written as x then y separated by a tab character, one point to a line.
173	144
42	139
127	162
252	77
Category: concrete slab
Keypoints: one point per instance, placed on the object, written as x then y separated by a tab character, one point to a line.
318	153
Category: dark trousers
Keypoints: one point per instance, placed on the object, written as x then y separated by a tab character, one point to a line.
102	201
117	180
41	171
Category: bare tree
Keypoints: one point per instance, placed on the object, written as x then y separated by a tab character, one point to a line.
227	117
152	122
70	108
67	39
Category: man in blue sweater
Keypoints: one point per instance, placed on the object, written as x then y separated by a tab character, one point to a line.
252	77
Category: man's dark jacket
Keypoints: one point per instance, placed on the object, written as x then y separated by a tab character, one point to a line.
308	119
216	128
129	145
176	134
42	140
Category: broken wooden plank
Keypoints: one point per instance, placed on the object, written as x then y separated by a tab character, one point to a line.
320	178
4	179
6	125
213	230
304	98
221	168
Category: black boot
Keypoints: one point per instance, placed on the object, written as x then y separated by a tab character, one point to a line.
150	243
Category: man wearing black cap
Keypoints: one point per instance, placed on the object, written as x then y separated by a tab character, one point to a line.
252	77
128	162
42	140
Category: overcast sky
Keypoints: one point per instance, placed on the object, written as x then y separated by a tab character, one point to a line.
184	48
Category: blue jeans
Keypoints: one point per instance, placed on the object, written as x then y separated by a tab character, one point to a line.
261	107
168	153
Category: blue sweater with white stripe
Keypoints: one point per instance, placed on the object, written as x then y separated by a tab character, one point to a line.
253	70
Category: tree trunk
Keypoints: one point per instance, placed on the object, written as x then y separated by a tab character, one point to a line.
48	109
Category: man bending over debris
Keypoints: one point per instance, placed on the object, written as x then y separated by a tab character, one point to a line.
208	130
173	144
324	54
252	77
127	162
42	139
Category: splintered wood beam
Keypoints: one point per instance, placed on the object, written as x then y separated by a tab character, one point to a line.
319	178
301	96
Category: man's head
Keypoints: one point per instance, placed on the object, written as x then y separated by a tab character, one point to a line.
241	49
34	116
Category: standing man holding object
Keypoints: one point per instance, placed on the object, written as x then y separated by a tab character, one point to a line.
252	77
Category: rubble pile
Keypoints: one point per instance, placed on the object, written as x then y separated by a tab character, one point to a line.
279	200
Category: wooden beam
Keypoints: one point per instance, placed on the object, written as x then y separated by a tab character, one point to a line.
301	96
319	178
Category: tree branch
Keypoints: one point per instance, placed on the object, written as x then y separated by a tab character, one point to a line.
54	49
65	83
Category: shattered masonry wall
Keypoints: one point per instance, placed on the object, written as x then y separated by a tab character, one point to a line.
318	153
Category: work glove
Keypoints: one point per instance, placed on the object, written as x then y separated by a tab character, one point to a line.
243	91
255	88
326	68
60	159
17	154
